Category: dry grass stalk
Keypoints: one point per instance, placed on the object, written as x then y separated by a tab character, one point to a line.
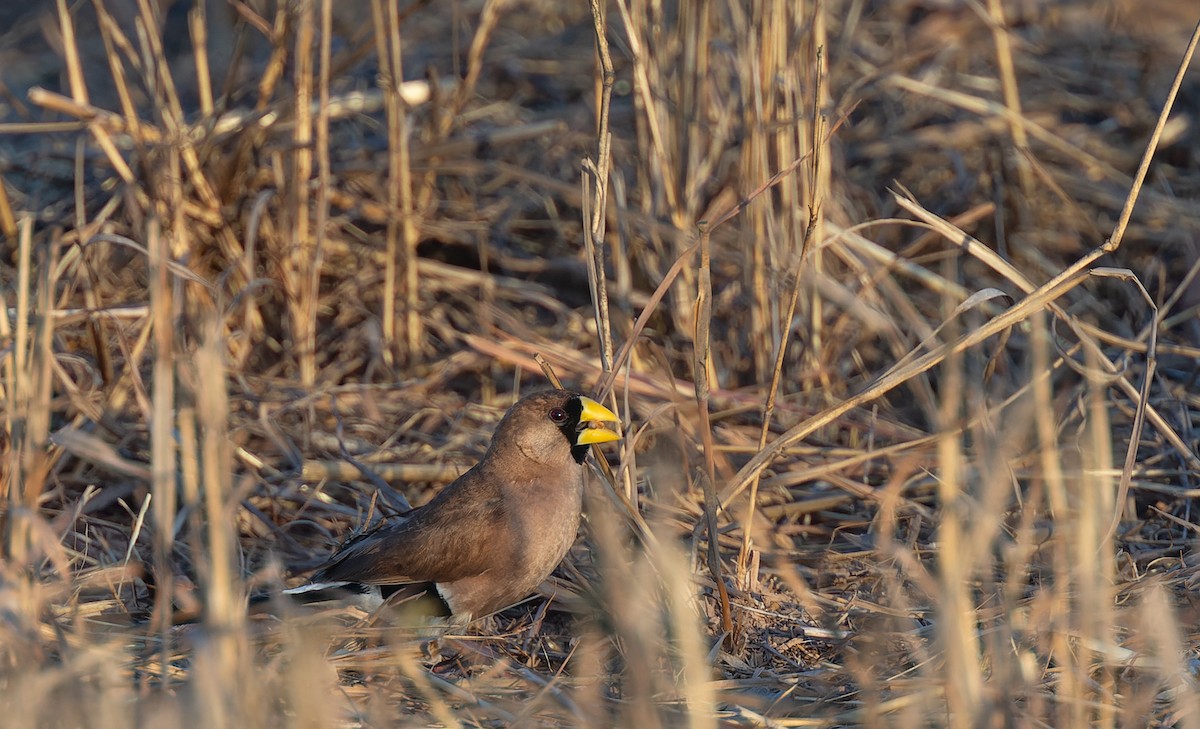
399	187
1012	94
299	271
595	207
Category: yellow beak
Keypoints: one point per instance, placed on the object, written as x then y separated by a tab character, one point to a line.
591	422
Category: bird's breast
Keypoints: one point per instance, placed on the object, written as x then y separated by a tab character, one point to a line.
550	524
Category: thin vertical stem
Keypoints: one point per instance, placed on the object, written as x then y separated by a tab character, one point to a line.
1012	94
323	164
700	343
595	224
304	306
162	440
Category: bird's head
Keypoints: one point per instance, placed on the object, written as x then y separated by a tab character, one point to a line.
550	426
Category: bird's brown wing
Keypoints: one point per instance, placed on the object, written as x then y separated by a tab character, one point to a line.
451	538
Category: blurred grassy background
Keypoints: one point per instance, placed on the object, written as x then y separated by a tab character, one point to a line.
839	265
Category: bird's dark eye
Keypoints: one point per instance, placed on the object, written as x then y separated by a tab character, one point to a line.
558	415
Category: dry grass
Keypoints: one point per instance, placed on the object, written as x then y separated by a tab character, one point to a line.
904	335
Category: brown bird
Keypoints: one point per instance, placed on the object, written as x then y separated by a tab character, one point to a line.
490	537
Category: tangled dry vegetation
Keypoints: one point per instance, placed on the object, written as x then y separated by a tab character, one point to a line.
864	277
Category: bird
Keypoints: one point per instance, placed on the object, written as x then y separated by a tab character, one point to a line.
488	539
